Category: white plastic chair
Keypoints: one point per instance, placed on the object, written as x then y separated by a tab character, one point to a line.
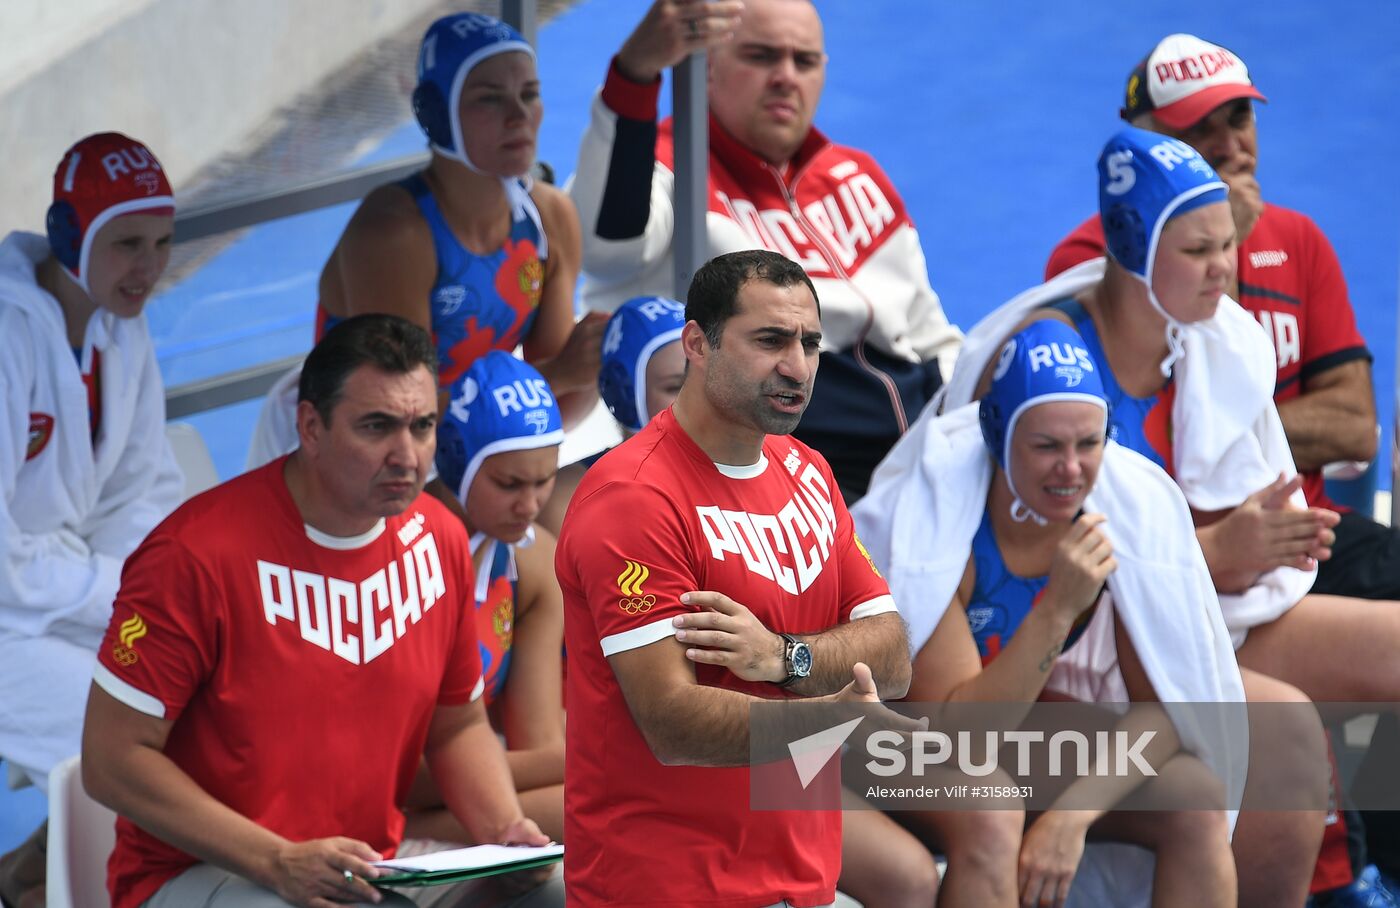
192	456
81	838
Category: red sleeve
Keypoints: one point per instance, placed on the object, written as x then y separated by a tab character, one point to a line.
630	571
632	100
863	589
162	642
1331	336
1085	243
462	679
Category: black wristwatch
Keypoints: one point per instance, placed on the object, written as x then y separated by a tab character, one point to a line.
797	660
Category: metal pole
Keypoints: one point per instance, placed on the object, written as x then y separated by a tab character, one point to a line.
322	192
522	15
1395	435
692	170
228	388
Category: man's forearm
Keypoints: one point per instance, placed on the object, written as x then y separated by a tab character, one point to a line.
613	184
879	641
714	733
1328	426
145	786
470	769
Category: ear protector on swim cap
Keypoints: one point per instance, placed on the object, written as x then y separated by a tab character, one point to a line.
430	109
500	404
102	177
451	47
1045	362
639	328
65	235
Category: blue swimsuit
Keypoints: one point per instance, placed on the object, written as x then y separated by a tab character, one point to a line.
478	303
1140	423
496	593
1000	599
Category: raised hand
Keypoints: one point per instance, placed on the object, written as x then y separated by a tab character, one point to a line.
1246	200
576	366
1268	531
674	29
1082	562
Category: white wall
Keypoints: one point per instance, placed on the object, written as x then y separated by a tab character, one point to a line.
191	78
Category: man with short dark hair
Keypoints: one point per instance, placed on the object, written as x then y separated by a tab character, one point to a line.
708	561
288	646
775	182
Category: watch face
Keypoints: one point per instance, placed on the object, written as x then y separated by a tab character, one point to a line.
801	660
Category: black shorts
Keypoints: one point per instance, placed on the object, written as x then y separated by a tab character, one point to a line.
1365	560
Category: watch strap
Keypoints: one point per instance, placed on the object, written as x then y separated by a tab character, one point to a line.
789	644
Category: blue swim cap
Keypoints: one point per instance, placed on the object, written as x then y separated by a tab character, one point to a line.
500	404
1145	180
1046	361
639	327
451	47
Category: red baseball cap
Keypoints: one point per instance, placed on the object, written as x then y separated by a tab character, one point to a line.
102	177
1184	79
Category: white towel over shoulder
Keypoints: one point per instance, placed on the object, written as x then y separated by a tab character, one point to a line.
1225	447
918	520
924	506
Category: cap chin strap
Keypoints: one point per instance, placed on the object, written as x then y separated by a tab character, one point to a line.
517	191
1175	348
517	187
1021	513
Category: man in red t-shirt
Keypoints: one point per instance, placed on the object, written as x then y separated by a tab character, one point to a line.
288	646
705	562
1288	276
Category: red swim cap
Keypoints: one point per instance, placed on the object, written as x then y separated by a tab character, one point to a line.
100	178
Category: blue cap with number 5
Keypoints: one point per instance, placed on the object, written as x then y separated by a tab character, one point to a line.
1145	180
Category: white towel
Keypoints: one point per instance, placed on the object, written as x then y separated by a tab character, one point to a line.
1225	447
918	520
924	506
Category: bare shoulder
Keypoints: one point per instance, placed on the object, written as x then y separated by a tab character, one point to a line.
556	208
388	215
1045	314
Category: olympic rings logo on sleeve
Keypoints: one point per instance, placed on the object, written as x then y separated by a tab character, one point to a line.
634	599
